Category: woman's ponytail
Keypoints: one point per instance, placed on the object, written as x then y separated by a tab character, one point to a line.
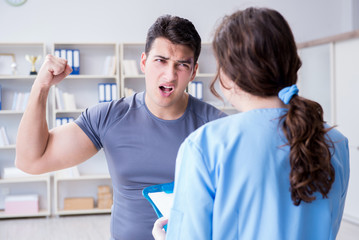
310	156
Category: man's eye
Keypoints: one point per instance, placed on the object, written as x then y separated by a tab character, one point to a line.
159	60
184	65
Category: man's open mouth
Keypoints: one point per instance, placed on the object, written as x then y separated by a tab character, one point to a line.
166	89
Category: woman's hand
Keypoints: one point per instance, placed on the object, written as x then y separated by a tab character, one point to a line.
158	231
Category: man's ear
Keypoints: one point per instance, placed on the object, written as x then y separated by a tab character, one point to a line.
194	73
143	62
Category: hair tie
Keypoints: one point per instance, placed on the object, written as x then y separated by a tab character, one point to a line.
287	93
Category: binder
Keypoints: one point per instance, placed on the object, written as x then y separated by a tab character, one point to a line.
114	91
160	197
63	53
0	96
76	62
58	122
108	96
192	89
57	52
69	58
199	90
64	121
101	92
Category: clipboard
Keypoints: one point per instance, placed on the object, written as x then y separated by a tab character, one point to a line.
161	198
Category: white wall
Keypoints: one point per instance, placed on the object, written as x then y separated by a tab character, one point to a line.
127	21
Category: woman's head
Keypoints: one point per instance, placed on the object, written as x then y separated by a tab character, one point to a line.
256	49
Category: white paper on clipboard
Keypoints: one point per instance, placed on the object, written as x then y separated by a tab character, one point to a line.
163	202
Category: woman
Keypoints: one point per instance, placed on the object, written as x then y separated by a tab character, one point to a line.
273	171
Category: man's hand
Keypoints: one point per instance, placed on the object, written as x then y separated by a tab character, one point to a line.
52	71
158	232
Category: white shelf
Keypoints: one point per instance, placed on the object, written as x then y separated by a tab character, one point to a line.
33	181
84	87
41	178
83	177
21	77
91	77
85	181
205	75
82	212
134	76
8	147
41	213
10	119
70	111
10	112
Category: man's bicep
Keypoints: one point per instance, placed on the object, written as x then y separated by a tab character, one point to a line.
68	146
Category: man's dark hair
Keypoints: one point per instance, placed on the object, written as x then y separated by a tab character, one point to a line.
177	30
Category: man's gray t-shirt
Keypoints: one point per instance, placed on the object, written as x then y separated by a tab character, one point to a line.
141	150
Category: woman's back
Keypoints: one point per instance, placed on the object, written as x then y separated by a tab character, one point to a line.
239	183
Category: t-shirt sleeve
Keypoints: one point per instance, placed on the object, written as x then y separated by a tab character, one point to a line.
90	122
191	214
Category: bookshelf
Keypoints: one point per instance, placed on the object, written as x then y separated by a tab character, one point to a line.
15	78
131	76
96	67
80	186
39	185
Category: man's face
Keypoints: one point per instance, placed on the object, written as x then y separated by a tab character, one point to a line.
168	69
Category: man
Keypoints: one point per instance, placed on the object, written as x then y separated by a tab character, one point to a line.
140	135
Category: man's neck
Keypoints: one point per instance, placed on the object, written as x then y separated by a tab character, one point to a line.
172	112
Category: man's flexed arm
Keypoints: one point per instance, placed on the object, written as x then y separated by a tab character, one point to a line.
37	149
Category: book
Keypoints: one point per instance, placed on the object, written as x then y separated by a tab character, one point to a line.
20	101
109	67
0	96
4	137
69	101
64	100
59	99
130	67
129	92
2	140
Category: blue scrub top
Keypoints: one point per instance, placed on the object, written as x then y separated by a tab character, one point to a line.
232	182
